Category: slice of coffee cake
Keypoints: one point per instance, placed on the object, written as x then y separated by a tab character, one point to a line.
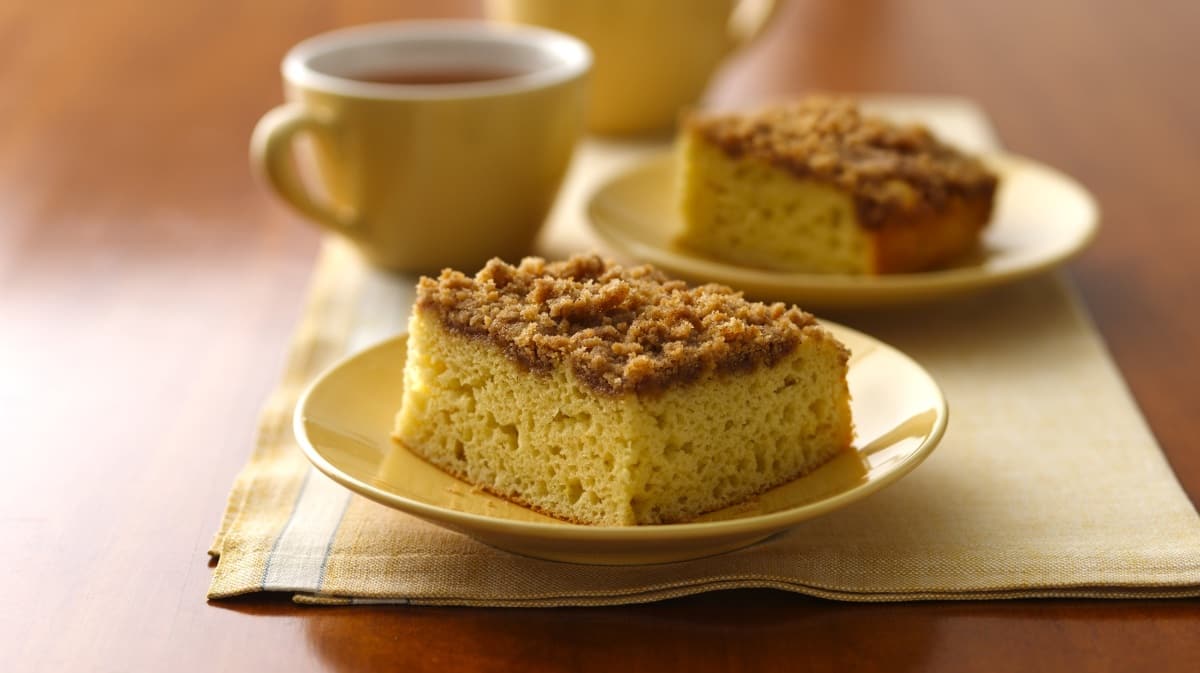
817	187
613	396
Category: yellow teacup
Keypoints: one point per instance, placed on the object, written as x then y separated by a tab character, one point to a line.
438	143
653	57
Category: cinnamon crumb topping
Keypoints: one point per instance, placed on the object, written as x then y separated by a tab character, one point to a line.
620	330
887	167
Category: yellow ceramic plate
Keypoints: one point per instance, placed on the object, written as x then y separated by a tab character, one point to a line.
343	423
1042	218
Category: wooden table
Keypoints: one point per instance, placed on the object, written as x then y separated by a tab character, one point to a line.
148	285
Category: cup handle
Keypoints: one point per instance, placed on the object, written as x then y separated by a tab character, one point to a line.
272	154
749	19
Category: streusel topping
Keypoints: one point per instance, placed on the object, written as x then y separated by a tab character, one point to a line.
621	330
887	167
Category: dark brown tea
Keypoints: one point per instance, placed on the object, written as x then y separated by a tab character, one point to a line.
441	76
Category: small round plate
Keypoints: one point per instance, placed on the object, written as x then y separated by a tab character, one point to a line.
343	423
1041	219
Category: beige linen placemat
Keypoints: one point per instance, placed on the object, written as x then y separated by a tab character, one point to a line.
1048	482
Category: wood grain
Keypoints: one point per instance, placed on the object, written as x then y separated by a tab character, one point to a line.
148	284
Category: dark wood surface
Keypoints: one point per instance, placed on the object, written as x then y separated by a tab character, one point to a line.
148	285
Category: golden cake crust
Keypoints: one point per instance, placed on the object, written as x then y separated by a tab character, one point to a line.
889	169
621	330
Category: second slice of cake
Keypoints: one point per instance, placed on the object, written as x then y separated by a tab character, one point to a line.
817	187
612	396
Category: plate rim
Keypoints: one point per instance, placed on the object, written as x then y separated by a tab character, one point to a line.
858	288
650	534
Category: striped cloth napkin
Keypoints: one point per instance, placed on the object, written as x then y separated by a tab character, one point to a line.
1047	483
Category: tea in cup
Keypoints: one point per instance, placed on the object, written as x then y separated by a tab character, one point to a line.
436	143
